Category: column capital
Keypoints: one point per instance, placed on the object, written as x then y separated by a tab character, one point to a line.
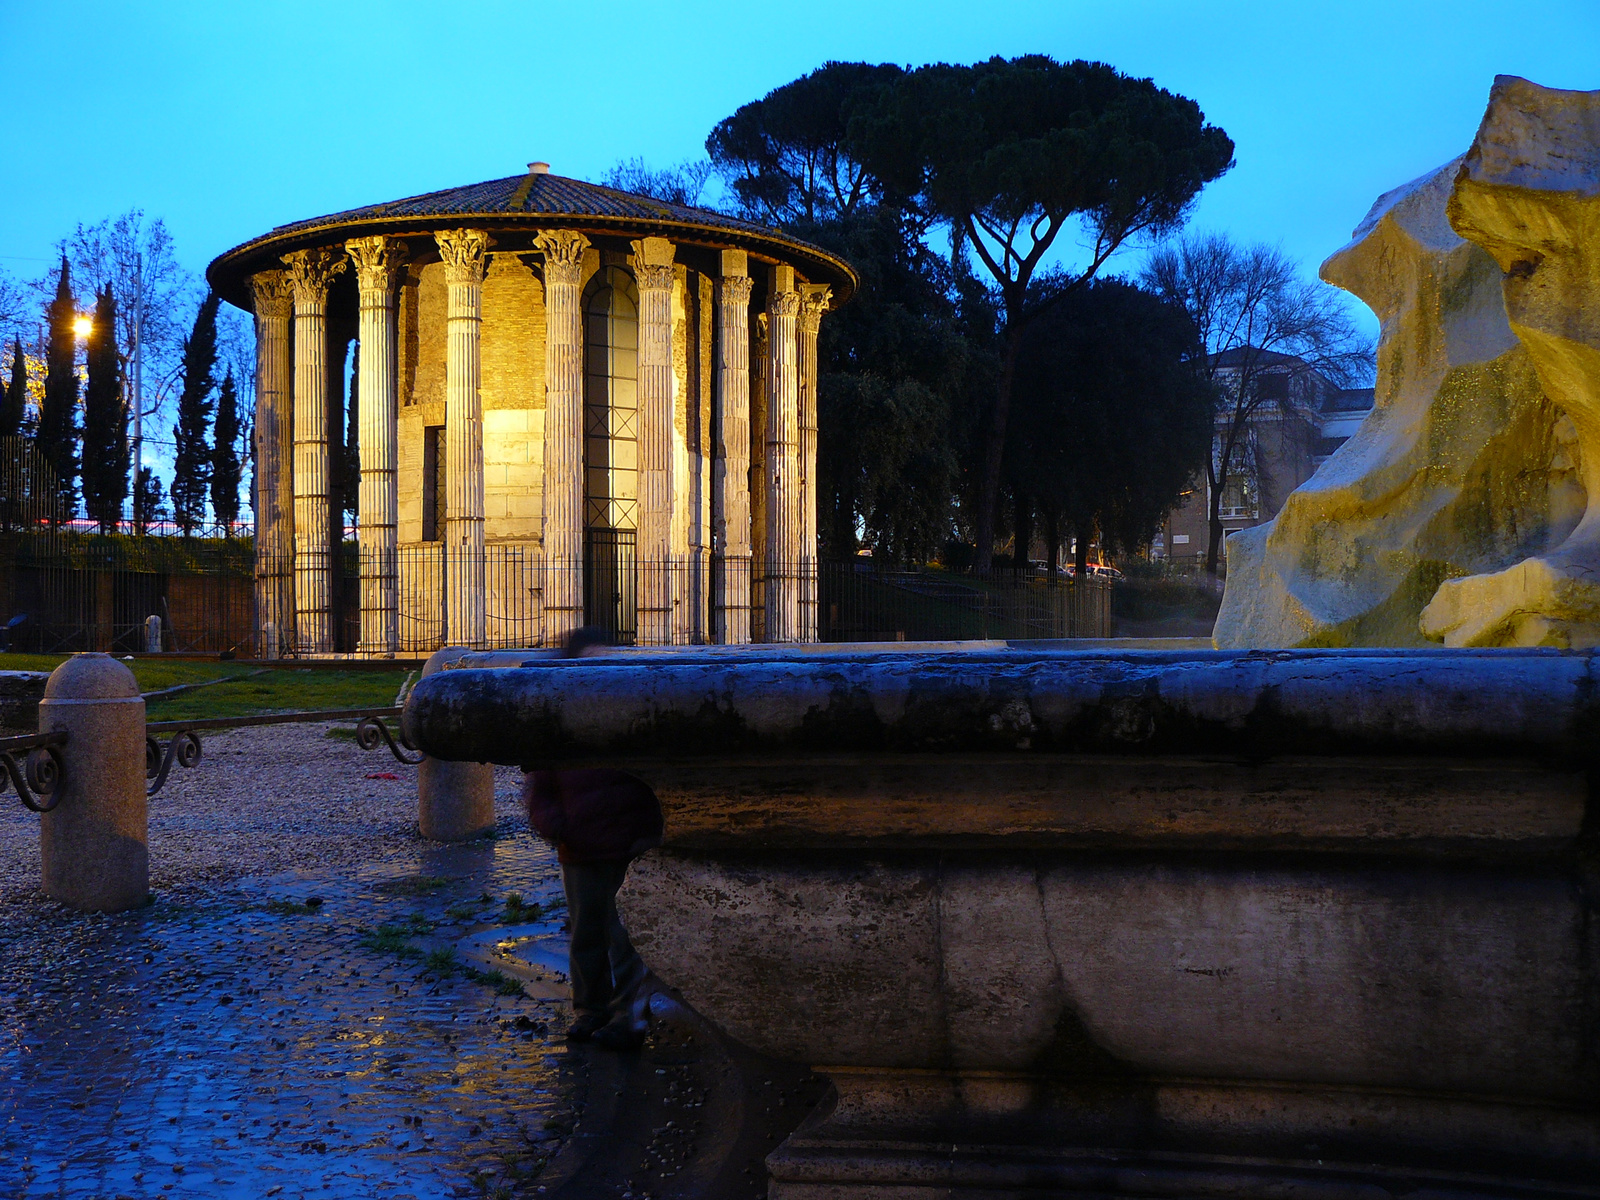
273	295
652	263
377	260
310	272
736	289
783	304
463	251
563	251
814	299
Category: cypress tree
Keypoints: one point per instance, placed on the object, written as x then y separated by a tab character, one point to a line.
191	465
146	500
105	421
225	467
58	414
15	405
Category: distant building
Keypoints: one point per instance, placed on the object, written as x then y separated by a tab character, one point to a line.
1303	418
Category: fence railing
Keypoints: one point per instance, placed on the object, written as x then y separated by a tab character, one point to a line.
210	600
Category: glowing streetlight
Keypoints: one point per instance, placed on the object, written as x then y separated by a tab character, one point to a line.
83	325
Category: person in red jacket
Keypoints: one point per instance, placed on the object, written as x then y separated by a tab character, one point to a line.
599	821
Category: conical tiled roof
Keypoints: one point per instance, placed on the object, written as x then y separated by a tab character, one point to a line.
529	202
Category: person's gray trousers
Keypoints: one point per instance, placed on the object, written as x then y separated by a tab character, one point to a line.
607	972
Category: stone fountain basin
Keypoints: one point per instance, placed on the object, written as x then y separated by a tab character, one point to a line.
1134	923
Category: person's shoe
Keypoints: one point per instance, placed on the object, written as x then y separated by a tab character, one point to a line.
583	1029
617	1037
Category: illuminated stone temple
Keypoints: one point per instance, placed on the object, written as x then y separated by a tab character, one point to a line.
574	405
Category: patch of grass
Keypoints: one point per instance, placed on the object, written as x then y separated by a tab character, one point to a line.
282	689
413	885
293	908
519	913
345	732
394	937
442	960
503	984
464	910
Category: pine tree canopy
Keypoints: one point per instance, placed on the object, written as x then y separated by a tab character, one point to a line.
105	421
191	465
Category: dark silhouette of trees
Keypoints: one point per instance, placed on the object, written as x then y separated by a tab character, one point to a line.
147	506
787	157
57	435
1009	153
1251	306
14	407
225	465
191	465
105	420
682	184
1111	416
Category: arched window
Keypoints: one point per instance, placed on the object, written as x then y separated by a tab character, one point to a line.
611	401
611	452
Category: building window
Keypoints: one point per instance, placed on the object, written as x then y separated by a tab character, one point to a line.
611	401
434	491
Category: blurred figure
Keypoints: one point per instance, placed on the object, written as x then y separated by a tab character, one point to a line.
599	821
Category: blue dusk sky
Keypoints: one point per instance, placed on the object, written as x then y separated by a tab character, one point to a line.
226	119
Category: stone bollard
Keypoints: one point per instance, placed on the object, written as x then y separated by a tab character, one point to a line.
152	634
94	842
455	800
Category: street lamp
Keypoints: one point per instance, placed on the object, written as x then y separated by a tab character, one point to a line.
83	325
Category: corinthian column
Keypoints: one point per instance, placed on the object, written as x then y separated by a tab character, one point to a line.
813	303
563	432
274	478
783	461
310	272
652	269
731	482
463	252
377	262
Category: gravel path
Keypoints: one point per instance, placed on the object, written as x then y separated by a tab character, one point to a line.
262	800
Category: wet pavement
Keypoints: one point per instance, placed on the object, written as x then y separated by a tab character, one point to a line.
285	1037
386	1023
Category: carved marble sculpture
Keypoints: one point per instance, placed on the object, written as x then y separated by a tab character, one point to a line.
1459	512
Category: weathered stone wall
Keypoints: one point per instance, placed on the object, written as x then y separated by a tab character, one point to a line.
513	401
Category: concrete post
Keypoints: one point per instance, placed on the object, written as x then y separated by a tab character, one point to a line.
731	481
653	272
455	800
466	601
377	262
274	475
152	634
310	272
563	432
94	843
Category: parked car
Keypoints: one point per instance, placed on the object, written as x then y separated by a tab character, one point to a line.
1100	569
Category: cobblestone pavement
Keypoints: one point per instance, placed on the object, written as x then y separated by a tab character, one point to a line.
260	1034
318	1003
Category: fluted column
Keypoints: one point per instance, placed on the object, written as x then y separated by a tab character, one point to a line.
563	431
653	271
466	604
813	303
783	460
377	262
274	476
310	272
731	484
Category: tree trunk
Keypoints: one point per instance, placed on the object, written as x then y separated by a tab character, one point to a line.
1052	532
1022	533
994	451
1214	548
1082	529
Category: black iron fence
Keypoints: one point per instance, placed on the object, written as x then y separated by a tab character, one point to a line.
98	593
